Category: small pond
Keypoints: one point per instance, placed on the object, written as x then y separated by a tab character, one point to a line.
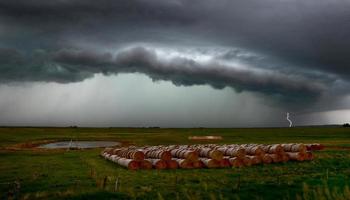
79	144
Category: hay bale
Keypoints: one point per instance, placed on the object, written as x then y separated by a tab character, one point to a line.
253	149
158	163
275	158
255	159
236	162
266	159
287	147
276	149
309	156
298	156
233	151
172	164
185	154
145	164
210	163
298	148
314	147
210	153
157	154
198	164
183	163
247	161
225	162
129	153
124	162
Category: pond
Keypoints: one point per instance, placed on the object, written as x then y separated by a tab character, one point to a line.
79	144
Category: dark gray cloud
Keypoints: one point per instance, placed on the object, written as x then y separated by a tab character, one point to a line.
76	65
300	47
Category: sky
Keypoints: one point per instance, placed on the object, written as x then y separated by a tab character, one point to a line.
174	63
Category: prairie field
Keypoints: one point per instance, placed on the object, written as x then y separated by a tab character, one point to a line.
27	172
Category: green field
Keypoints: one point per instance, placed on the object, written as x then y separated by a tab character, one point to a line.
29	173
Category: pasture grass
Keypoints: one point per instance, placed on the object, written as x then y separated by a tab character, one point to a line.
29	173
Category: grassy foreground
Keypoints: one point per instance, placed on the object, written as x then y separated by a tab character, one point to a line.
30	173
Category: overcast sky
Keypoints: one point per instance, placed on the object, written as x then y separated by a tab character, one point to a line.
174	63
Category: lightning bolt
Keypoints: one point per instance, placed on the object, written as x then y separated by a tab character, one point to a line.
290	122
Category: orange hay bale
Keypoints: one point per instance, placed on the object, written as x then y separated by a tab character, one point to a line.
210	163
145	164
158	163
184	164
247	161
129	153
185	154
236	162
198	164
266	159
255	159
309	155
314	147
298	156
252	149
275	158
171	164
287	147
276	149
233	151
108	150
157	154
284	157
210	153
298	148
128	163
225	163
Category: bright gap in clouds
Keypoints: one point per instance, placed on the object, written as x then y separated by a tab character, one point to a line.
130	100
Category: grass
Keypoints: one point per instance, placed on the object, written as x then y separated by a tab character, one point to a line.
53	174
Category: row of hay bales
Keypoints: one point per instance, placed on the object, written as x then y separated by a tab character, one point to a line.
207	155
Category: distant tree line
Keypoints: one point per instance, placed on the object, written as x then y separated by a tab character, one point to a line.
347	125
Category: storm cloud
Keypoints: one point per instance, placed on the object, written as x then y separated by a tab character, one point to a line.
76	65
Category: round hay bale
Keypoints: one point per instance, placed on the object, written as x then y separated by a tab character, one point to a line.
172	164
145	164
236	162
198	164
224	163
266	159
210	163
